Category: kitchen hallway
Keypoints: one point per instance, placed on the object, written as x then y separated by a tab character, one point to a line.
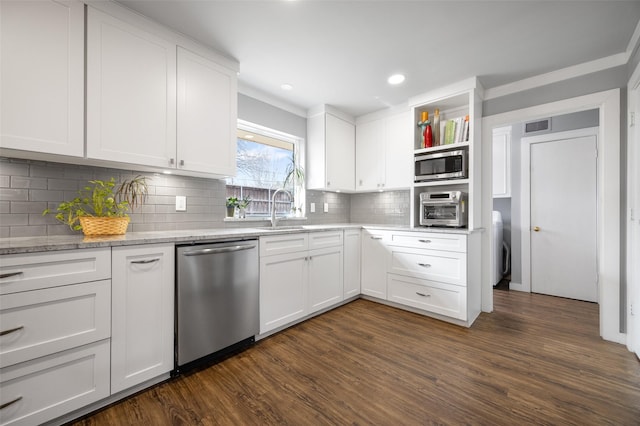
536	360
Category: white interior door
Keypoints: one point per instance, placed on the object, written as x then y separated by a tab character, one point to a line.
563	217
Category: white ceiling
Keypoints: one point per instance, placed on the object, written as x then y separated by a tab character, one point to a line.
341	52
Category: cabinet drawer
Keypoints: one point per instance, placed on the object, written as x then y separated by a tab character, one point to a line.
325	239
430	241
281	244
52	386
53	320
439	298
443	266
32	271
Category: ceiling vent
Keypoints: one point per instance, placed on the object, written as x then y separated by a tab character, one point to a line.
538	126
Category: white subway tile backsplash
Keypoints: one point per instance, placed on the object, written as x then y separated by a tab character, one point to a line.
21	208
28	182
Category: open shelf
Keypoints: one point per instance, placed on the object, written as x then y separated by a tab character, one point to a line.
441	148
442	183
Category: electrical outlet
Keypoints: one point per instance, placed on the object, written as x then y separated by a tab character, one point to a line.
326	207
312	207
181	203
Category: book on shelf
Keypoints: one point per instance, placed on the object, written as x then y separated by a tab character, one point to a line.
454	130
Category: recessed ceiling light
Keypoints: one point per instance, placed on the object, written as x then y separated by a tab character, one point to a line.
286	86
396	79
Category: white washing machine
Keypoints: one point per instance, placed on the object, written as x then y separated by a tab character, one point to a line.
497	270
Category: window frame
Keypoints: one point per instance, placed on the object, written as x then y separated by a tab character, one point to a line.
298	143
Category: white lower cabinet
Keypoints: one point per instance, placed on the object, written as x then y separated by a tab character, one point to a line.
283	289
325	272
374	263
443	299
428	271
300	274
142	316
55	319
351	262
42	389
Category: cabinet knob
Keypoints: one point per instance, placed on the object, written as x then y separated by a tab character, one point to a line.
328	183
172	161
536	228
181	163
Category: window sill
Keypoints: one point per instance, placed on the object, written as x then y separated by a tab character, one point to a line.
264	219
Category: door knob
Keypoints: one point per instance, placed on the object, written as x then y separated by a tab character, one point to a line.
536	228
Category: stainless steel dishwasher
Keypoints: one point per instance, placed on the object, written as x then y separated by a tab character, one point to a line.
217	299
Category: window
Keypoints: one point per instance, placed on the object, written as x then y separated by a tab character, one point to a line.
268	160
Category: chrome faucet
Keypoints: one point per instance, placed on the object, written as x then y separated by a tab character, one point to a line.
274	221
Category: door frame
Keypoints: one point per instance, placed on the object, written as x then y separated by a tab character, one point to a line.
633	214
525	202
608	104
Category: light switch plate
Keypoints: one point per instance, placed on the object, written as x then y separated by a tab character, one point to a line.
181	203
326	207
312	207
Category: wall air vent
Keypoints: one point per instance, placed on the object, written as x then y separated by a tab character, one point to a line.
538	126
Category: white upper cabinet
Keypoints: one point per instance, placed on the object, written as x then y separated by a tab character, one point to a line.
501	162
383	153
131	93
157	99
370	159
207	115
330	151
42	76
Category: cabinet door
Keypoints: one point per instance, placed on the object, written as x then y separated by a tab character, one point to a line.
142	314
207	115
351	263
283	289
131	93
40	322
398	153
369	155
48	387
42	83
502	162
325	278
340	154
374	264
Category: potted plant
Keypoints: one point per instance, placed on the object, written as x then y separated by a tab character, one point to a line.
232	203
101	207
242	207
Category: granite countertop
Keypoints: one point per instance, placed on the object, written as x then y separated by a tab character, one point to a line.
68	242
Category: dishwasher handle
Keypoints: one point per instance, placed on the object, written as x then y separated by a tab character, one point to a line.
228	249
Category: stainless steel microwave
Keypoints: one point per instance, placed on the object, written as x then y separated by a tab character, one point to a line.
441	165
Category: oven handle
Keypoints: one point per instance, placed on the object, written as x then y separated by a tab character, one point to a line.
229	249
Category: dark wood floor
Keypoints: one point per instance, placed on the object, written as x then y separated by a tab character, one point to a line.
535	360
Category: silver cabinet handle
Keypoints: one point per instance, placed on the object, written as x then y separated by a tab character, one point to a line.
376	237
425	241
422	294
6	404
10	274
11	330
218	250
146	261
426	265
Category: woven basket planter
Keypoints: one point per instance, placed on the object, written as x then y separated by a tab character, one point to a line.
104	225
